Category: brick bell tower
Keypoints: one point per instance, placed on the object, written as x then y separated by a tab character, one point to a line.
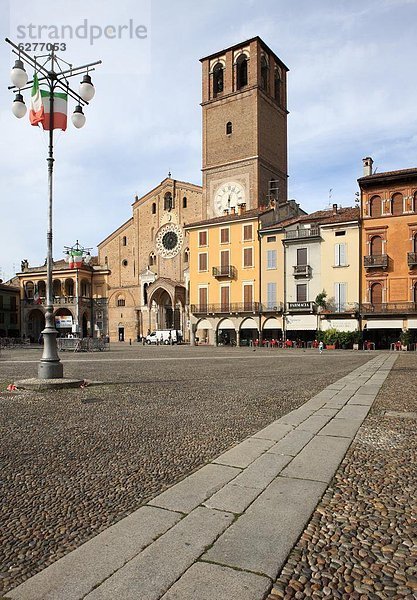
244	127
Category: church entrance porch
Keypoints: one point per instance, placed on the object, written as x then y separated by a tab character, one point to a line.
166	306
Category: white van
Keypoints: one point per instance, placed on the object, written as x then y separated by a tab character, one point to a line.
164	336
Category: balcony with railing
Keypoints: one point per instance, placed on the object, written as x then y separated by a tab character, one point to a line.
272	307
299	234
226	308
342	308
389	308
57	301
224	271
375	261
302	271
412	259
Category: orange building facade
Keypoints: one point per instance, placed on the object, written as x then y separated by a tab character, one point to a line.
389	255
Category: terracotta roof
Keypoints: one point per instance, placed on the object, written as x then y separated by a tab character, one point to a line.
323	217
8	288
248	214
399	174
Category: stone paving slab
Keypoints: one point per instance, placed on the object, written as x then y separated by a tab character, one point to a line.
295	417
242	491
319	459
275	431
214	582
354	411
341	428
292	443
149	575
261	538
194	489
76	574
314	423
244	453
361	400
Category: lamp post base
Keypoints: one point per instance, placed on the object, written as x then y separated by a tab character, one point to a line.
50	370
41	385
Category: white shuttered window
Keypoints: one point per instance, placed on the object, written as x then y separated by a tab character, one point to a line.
340	255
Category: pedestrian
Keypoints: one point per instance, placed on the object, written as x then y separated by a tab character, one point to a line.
321	346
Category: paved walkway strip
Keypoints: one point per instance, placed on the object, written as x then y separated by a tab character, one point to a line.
224	532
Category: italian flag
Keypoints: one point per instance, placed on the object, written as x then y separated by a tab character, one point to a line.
41	108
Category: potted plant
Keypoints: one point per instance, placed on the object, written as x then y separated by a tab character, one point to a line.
356	339
331	338
321	301
405	339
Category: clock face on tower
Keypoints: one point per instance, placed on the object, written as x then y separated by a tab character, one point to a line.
169	240
229	195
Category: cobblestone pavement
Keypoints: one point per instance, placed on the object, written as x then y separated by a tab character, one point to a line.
76	461
361	540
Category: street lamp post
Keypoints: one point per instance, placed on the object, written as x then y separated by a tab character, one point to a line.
76	255
51	74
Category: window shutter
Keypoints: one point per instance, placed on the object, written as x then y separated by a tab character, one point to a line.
342	254
271	294
337	294
342	295
337	256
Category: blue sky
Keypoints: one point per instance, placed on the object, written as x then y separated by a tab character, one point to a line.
351	93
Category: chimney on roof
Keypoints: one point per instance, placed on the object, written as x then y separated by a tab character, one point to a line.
241	208
225	212
367	166
335	209
233	210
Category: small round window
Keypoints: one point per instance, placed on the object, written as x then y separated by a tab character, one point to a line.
124	263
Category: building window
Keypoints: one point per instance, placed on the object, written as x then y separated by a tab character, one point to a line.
29	290
224	260
271	238
247	233
106	260
184	202
168	202
121	302
241	71
271	259
124	241
264	73
13	318
202	261
154	208
218	79
397	204
271	294
145	293
277	85
340	255
229	128
340	294
152	259
202	238
339	233
187	255
13	305
375	206
225	298
124	263
247	257
376	246
302	257
224	235
376	294
203	298
301	289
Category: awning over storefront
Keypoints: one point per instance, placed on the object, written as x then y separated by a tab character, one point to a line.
384	324
301	322
226	324
249	324
412	323
204	324
339	324
272	323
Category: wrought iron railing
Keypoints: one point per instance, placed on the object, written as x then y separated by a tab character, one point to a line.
389	308
412	259
225	271
226	307
377	260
